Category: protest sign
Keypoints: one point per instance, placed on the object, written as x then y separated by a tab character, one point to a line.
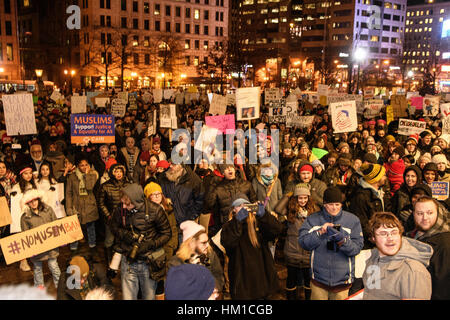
445	109
151	123
179	98
35	100
248	103
78	104
90	100
322	90
192	89
439	190
57	96
206	139
132	100
54	199
417	102
293	120
343	116
19	114
271	94
412	94
408	127
157	95
5	214
372	108
389	114
118	107
168	93
369	93
399	106
41	239
101	102
218	105
446	125
431	106
231	99
94	128
123	96
291	107
16	212
225	124
167	116
147	97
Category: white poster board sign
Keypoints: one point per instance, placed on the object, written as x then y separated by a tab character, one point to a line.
78	104
248	101
19	114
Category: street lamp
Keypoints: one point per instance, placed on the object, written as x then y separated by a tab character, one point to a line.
359	55
72	73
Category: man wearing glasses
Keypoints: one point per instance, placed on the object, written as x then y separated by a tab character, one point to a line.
396	269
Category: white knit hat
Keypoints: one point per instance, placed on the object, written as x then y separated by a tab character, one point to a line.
438	158
190	228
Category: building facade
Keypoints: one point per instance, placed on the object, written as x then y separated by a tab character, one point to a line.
9	44
157	43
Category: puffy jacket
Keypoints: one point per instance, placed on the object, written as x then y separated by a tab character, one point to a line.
317	187
223	194
146	218
364	202
186	195
330	267
109	193
30	220
294	254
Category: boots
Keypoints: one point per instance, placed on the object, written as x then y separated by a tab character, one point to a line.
108	255
307	293
300	293
161	296
291	293
24	265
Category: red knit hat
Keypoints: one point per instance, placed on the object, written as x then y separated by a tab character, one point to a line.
306	167
109	163
163	164
145	156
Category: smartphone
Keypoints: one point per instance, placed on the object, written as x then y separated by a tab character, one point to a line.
337	227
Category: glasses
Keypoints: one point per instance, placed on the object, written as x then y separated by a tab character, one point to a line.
156	194
385	234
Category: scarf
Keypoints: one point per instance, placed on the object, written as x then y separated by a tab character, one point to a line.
267	179
82	186
442	225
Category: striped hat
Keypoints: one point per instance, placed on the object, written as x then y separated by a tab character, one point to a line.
373	173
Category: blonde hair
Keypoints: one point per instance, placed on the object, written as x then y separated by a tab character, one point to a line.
185	251
251	228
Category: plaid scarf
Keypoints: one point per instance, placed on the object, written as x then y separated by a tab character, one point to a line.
442	225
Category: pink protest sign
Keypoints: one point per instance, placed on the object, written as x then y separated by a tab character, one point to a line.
417	102
225	124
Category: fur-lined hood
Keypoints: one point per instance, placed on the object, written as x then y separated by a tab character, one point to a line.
31	195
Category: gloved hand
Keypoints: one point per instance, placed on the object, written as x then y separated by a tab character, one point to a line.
261	210
242	214
335	235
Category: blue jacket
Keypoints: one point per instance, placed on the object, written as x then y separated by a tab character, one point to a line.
328	266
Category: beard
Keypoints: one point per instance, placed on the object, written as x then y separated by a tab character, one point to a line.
174	175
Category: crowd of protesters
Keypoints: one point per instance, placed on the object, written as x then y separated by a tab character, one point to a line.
313	211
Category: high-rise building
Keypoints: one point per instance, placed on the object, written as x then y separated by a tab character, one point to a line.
427	39
9	44
149	43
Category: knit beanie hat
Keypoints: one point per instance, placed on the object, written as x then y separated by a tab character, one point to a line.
373	173
439	158
342	144
426	155
306	167
82	264
397	167
414	138
163	164
189	282
332	195
421	188
430	166
302	189
145	156
151	188
370	157
190	228
390	138
239	199
109	163
287	146
400	151
317	163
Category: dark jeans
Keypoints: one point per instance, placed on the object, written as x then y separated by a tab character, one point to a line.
298	277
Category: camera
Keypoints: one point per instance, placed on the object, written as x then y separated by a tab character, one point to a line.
331	245
251	207
136	247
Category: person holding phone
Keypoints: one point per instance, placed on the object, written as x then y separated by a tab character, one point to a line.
334	237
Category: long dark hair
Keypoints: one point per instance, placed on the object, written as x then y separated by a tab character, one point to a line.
294	207
23	183
51	176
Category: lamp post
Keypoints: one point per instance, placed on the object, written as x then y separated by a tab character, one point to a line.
410	76
72	73
66	72
359	55
39	73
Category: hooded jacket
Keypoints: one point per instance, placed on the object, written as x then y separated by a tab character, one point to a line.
109	193
261	190
329	267
439	238
146	219
402	197
395	173
317	187
401	276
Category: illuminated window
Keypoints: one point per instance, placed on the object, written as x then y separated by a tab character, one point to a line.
430	29
196	14
442	11
283	19
441	19
274	20
283	8
187	44
275	10
438	53
374	38
248	2
425	29
408	14
431	20
264	11
196	61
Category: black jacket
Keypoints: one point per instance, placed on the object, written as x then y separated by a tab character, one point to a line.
146	219
109	193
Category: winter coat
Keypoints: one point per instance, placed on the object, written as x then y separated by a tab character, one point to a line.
402	276
186	195
330	267
220	198
109	193
333	177
294	254
84	206
56	159
214	266
317	187
394	172
30	220
16	215
251	270
261	191
147	218
123	157
364	202
171	246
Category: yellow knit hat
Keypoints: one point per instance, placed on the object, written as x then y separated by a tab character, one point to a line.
373	172
152	187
